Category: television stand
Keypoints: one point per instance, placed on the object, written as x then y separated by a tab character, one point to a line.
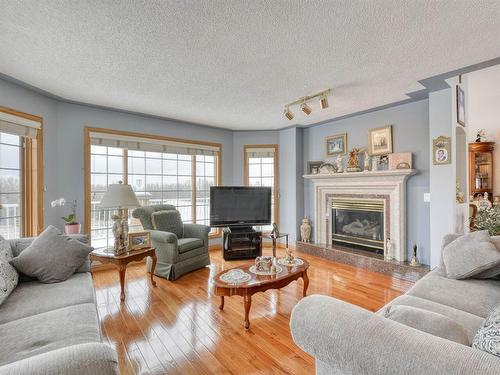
241	243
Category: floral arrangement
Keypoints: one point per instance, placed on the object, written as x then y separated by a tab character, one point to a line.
488	219
71	218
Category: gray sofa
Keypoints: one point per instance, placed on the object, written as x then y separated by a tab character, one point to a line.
177	255
346	339
53	328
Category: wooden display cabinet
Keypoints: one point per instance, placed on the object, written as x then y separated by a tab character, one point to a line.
481	168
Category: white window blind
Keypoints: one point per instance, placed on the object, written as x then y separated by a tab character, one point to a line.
19	126
151	145
261	152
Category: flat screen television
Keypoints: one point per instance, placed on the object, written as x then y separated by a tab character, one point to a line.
232	206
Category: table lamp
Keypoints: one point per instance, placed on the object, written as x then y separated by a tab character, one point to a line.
120	196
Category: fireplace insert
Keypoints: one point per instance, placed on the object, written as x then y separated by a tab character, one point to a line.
358	224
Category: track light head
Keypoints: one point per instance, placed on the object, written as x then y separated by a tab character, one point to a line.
288	114
305	108
323	102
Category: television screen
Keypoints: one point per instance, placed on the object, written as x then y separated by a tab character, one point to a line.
239	206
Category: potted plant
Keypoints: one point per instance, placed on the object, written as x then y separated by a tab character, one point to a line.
488	219
71	225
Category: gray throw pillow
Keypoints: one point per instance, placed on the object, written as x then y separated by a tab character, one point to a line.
8	274
428	321
168	221
488	336
469	255
52	257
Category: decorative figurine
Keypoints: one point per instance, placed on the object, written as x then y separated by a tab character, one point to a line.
338	162
353	162
289	256
367	161
389	250
275	232
120	232
305	230
273	266
480	135
263	264
414	260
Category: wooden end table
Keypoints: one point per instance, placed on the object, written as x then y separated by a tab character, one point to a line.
259	283
121	261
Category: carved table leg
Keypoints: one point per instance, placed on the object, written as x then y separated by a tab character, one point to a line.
248	302
306	282
122	269
153	268
221	306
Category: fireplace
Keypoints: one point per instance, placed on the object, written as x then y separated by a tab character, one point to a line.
358	223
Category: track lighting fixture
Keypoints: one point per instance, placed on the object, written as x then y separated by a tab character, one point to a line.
305	108
323	102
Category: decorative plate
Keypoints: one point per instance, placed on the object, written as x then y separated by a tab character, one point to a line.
295	262
253	269
235	276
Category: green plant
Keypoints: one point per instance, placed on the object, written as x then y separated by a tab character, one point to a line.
71	218
488	219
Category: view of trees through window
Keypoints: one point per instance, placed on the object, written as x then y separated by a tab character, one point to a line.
157	178
10	185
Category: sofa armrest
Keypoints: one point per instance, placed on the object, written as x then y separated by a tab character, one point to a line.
83	359
352	340
163	237
196	231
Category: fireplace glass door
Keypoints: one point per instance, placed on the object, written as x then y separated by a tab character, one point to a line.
358	224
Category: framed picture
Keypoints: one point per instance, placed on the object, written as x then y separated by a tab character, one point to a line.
380	141
460	106
336	145
313	167
139	240
441	150
400	160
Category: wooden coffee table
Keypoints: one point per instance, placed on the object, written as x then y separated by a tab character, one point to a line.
121	261
259	283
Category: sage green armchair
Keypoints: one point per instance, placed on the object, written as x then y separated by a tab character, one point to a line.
180	248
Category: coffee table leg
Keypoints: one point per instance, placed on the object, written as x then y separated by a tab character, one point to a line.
153	268
221	306
122	270
306	282
248	302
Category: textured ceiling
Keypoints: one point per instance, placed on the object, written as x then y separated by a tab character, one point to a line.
234	64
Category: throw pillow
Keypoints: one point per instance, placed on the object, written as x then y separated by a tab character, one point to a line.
488	336
470	255
8	275
168	221
428	321
52	257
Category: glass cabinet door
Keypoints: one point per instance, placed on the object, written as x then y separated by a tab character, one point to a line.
483	171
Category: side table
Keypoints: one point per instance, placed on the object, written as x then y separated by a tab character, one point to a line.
121	261
274	238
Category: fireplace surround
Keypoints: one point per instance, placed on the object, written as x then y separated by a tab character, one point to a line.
386	187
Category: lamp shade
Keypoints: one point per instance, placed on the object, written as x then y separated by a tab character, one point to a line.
119	196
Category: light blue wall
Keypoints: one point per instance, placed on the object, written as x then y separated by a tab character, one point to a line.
410	133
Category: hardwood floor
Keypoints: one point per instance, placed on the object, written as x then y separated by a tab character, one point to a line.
177	327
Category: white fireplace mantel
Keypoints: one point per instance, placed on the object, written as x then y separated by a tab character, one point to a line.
389	183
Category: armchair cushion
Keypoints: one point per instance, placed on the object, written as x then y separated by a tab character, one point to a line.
188	244
144	214
168	221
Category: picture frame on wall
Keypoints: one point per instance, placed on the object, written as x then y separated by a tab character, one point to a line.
336	145
441	150
460	106
313	167
380	140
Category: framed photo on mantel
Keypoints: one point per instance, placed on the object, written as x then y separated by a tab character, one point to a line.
380	141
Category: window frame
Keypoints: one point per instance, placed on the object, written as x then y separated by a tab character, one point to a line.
31	184
87	164
275	172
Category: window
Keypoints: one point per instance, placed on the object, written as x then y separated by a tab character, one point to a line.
179	176
261	169
20	174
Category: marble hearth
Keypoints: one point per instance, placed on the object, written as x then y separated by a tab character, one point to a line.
386	187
